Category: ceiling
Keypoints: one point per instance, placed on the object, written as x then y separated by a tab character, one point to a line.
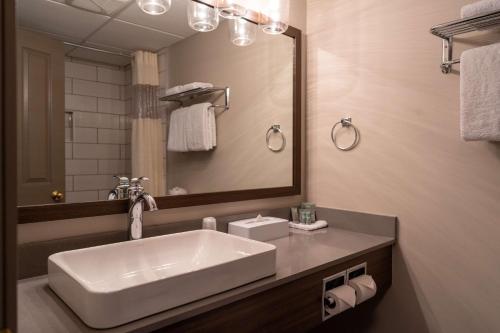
114	25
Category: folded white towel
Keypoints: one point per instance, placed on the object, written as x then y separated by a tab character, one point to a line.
183	88
480	93
192	129
176	132
482	7
309	227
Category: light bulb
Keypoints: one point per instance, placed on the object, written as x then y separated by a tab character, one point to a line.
230	9
202	17
154	7
275	16
242	32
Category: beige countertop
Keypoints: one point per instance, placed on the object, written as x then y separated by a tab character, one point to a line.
298	255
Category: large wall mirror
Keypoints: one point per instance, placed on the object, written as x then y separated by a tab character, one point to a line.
107	93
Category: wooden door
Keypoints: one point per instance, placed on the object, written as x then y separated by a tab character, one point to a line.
8	198
40	121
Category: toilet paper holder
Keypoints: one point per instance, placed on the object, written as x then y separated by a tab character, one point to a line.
330	283
356	271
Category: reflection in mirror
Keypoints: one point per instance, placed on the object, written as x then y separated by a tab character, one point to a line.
107	92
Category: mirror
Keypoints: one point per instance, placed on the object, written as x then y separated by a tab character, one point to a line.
107	92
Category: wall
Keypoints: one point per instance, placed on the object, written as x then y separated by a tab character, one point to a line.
72	227
377	62
261	96
97	129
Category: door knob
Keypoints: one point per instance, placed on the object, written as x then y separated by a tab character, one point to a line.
57	196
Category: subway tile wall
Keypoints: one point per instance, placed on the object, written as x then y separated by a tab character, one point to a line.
97	105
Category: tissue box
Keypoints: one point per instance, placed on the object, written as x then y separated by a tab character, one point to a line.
261	229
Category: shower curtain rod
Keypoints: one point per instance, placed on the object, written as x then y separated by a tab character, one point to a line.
121	54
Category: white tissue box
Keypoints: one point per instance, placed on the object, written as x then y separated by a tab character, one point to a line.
263	229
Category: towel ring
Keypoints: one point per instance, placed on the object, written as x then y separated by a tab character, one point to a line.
275	129
346	122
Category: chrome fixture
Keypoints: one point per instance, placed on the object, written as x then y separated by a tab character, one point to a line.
277	130
447	31
154	7
230	9
189	95
121	189
137	200
345	122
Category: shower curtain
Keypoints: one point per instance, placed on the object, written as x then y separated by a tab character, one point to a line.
147	131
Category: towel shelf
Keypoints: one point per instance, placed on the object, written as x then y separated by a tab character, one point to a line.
195	93
447	31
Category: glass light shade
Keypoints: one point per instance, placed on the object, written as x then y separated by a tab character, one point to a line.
202	17
242	32
231	9
154	7
275	16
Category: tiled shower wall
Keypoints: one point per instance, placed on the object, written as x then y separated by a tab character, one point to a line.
97	129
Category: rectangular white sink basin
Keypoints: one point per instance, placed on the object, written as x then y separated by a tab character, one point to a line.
113	284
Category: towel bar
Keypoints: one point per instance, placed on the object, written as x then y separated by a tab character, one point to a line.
195	93
446	31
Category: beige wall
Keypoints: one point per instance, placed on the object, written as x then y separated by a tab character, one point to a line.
67	228
377	62
261	80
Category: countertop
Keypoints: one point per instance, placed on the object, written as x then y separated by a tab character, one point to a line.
298	255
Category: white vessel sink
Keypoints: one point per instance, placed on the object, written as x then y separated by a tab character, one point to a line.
111	285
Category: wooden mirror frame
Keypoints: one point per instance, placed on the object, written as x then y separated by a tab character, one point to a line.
50	212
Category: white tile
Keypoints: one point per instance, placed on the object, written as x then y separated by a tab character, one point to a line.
112	167
125	122
129	36
96	151
97	89
82	196
85	135
68	85
68	150
69	184
57	18
111	136
126	92
108	75
80	103
106	105
103	195
80	71
96	120
125	152
81	167
93	182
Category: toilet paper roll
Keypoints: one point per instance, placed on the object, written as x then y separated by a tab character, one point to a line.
344	297
364	286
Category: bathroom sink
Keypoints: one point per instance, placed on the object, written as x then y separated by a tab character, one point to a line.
113	284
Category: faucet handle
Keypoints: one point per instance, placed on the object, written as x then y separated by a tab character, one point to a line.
137	181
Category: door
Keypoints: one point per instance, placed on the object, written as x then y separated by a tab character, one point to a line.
40	121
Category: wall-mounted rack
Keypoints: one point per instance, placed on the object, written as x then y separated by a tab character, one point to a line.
199	92
447	31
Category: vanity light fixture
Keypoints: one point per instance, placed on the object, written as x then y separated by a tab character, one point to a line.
201	17
275	15
154	7
231	9
242	32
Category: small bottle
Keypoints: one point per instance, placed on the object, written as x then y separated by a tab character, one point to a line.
209	223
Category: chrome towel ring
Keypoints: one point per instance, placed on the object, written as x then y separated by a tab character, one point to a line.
345	122
275	129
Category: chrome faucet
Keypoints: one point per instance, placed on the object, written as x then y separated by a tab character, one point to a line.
137	200
121	189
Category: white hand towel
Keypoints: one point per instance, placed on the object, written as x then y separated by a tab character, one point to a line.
198	130
482	7
213	126
309	227
177	129
480	93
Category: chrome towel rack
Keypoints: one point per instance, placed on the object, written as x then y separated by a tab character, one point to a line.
447	31
277	130
185	96
345	122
